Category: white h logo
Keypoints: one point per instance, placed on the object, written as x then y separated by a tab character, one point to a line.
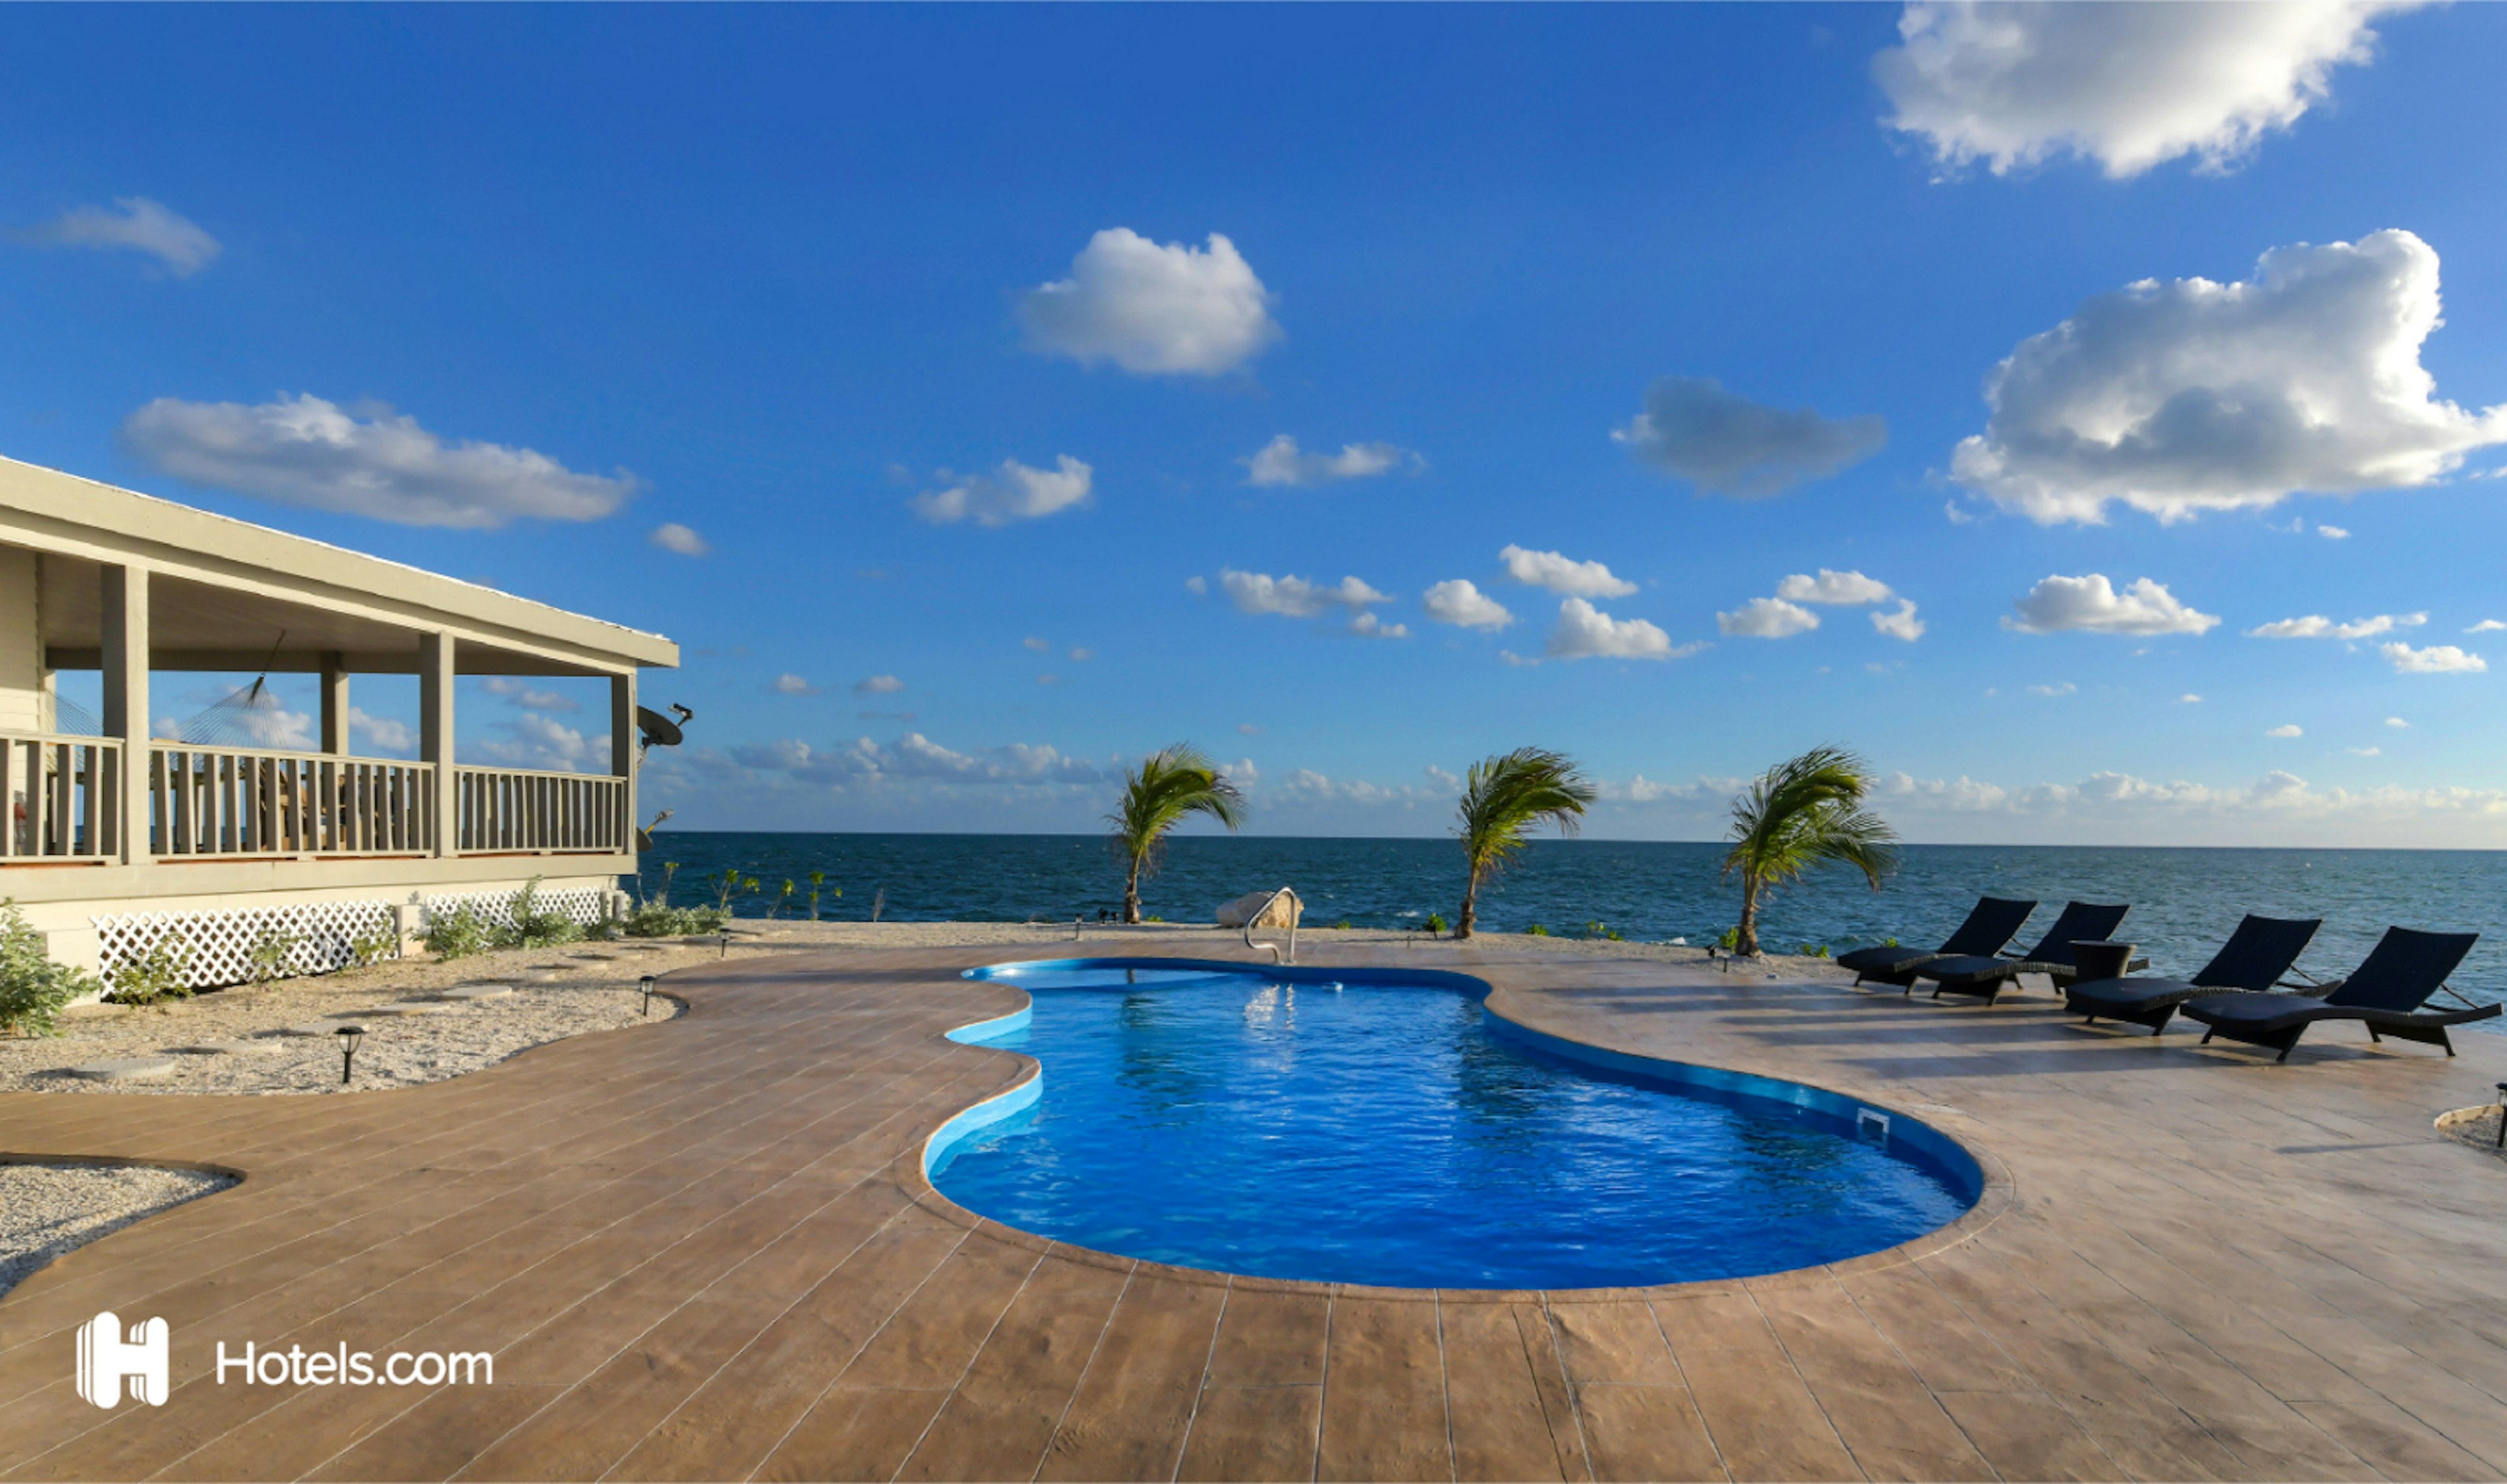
105	1358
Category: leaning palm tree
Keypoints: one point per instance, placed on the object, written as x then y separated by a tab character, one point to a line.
1502	798
1169	785
1799	814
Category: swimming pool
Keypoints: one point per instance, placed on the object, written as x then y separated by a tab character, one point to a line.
1375	1127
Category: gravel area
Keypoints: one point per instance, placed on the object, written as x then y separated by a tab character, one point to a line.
2478	1127
235	1040
46	1209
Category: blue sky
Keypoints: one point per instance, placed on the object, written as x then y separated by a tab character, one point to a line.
960	342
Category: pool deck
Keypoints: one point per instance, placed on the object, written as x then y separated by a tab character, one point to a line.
703	1250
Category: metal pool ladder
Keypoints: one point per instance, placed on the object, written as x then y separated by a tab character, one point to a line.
1257	917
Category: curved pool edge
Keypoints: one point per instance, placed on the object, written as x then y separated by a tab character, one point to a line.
1996	1193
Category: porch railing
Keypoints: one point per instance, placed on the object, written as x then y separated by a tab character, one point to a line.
526	811
255	801
59	797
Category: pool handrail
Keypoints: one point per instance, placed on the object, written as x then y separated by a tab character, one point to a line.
1295	911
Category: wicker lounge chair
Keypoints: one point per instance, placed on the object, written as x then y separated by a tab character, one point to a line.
1989	975
1989	925
2406	968
2257	957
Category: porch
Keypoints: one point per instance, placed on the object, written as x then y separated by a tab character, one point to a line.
135	590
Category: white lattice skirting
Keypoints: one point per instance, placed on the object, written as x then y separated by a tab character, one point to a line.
583	904
216	948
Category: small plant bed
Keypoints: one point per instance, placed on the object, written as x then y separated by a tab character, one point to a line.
2474	1125
46	1209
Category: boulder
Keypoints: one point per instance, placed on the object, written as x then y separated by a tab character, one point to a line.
1283	913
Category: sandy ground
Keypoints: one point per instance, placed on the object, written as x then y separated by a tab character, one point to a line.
46	1209
558	993
2482	1133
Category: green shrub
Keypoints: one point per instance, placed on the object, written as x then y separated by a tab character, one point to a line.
1343	922
458	933
1731	939
372	946
270	953
1535	930
33	989
1437	923
655	921
535	929
159	974
1814	950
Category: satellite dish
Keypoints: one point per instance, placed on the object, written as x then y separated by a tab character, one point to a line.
659	729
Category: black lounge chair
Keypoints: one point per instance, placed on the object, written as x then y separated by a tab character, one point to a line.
2256	957
1989	975
2403	971
1989	925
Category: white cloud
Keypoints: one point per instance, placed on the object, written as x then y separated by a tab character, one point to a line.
534	741
791	684
878	685
1248	728
2317	627
2127	85
516	691
1083	655
1560	575
2067	688
1841	589
2176	398
1725	443
2486	626
2333	532
2435	660
1955	515
2091	604
372	461
2190	699
1901	625
137	223
1152	309
2368	751
1368	625
1295	596
1037	644
1279	463
1014	491
1585	632
383	732
1766	618
2292	730
671	536
2396	722
1460	601
1196	585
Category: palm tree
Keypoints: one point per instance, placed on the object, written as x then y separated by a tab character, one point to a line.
1502	798
1799	814
1170	785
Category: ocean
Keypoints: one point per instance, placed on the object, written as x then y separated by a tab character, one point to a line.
2184	901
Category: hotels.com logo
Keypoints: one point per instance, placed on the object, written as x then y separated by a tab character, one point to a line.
106	1361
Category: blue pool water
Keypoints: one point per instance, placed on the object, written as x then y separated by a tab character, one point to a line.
1375	1127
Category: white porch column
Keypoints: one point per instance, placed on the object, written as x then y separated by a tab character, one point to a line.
435	733
335	702
124	598
622	750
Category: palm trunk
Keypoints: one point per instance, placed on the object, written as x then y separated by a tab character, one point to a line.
1132	892
1469	916
1746	942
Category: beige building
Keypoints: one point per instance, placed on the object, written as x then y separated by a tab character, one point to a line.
111	843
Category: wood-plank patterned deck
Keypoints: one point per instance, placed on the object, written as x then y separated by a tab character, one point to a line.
705	1250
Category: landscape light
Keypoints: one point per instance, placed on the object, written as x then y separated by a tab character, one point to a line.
348	1035
726	944
2502	1115
648	996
